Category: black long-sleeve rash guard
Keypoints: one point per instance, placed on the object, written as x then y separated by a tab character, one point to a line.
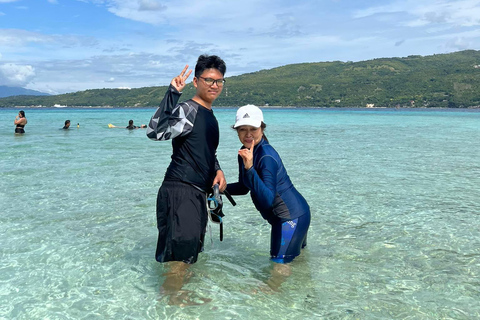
195	137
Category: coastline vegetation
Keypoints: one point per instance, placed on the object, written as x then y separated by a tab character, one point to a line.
441	81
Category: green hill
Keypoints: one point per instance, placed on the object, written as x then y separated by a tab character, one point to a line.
443	80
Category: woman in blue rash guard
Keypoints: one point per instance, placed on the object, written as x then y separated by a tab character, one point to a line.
261	172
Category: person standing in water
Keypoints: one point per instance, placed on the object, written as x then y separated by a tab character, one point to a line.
67	125
181	202
130	126
20	122
262	173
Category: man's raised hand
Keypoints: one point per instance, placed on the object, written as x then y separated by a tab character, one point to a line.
179	81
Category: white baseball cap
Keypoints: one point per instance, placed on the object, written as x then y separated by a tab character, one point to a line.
249	115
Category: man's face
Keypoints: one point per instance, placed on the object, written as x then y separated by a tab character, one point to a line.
206	92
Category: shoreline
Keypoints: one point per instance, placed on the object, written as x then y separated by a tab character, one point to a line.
472	109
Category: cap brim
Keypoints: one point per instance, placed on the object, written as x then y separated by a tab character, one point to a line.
248	122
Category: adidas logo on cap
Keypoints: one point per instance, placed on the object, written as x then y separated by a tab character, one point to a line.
248	115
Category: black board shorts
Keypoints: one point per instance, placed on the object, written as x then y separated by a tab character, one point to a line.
181	221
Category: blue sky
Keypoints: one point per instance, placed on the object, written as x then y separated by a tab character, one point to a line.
60	46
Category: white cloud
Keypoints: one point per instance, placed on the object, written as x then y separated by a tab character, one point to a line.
16	75
386	9
421	13
128	70
148	11
16	37
137	43
44	46
150	5
463	13
458	43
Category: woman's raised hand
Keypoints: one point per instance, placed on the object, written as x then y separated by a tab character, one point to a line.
247	156
179	81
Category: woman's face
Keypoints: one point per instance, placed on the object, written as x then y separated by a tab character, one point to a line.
248	135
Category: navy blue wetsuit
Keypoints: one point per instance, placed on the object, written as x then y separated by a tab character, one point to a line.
181	202
277	200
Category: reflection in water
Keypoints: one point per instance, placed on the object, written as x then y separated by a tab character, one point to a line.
279	274
177	276
394	231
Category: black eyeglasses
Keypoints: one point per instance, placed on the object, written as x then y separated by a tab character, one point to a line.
210	81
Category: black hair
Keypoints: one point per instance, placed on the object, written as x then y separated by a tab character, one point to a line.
22	113
264	126
67	121
130	122
209	62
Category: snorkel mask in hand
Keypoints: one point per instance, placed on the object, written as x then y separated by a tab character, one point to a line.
215	205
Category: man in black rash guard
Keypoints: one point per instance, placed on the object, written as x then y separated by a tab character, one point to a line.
181	202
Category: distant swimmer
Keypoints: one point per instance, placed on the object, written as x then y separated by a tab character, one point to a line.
20	122
129	127
67	124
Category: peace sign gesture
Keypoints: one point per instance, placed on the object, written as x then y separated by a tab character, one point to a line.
247	156
179	81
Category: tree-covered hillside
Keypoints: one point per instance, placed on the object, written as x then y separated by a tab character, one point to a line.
444	80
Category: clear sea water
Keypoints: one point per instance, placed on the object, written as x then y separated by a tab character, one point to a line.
395	199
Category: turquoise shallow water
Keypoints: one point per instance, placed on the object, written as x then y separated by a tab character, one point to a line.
395	198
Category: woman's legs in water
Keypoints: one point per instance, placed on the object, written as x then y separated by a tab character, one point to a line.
287	240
